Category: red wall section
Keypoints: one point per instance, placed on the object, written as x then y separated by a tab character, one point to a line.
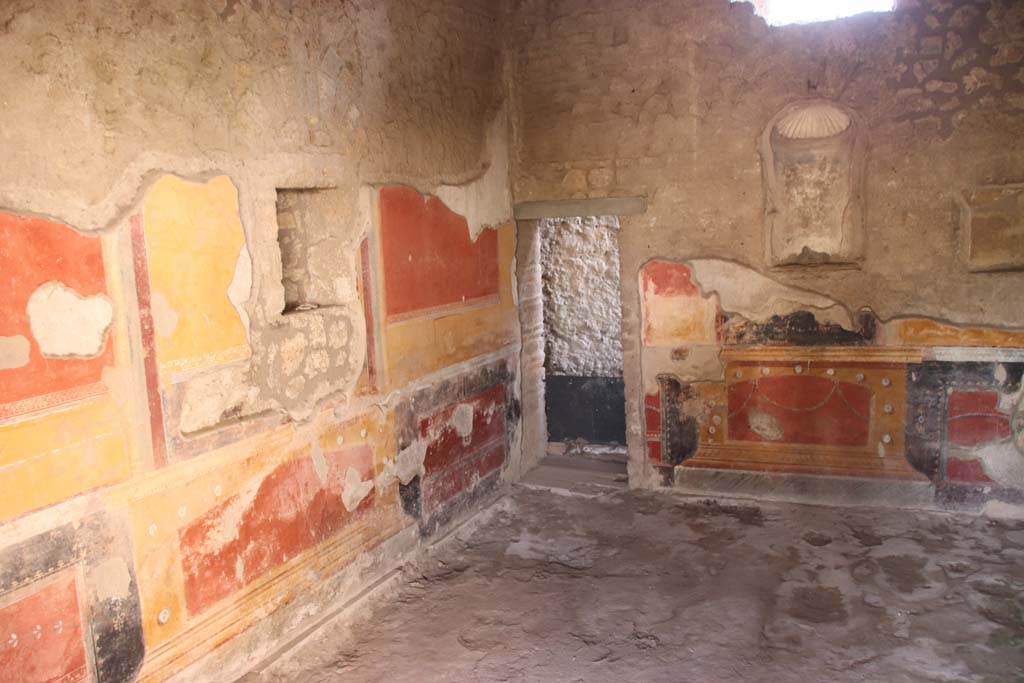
429	260
292	510
41	637
454	462
668	279
975	419
809	410
970	471
34	251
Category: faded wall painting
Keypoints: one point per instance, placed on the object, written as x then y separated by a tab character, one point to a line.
812	157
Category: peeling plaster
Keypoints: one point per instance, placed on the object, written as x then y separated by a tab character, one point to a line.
462	420
766	426
14	352
112	579
757	297
65	323
487	201
355	489
406	466
320	465
211	396
701	363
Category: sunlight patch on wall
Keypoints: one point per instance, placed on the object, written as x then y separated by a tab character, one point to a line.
781	12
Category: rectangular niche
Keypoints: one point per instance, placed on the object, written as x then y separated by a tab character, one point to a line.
308	218
992	228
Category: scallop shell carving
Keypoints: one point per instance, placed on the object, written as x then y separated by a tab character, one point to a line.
813	121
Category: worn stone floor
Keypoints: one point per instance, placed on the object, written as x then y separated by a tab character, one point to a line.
602	584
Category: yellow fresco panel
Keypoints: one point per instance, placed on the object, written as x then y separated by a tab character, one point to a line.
925	332
194	240
421	346
59	455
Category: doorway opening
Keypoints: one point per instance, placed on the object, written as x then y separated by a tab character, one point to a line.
584	395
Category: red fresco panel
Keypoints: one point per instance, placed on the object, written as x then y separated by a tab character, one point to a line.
140	266
668	279
366	292
975	419
654	451
447	447
454	463
973	403
430	262
444	486
41	639
809	410
34	251
975	430
970	471
292	510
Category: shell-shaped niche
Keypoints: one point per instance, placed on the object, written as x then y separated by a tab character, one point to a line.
817	120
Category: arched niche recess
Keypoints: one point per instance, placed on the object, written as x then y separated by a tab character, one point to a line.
812	161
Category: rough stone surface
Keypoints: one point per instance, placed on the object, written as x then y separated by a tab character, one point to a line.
666	99
601	585
582	313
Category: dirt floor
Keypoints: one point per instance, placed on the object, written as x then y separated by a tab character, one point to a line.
602	584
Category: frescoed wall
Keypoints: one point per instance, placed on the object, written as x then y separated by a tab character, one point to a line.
741	373
171	536
446	295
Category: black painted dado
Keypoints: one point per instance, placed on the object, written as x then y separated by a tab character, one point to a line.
679	438
589	408
113	626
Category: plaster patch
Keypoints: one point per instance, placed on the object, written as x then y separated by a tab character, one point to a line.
1001	462
406	466
320	463
757	297
241	286
702	363
229	521
14	352
65	323
462	420
211	396
165	318
355	489
112	579
764	425
486	201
